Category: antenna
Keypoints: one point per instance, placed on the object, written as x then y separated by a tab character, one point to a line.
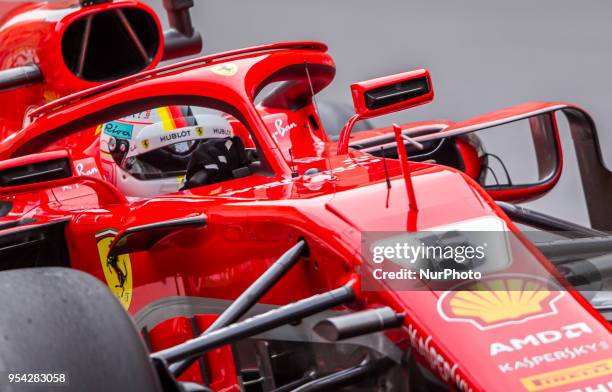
382	151
384	155
314	100
403	156
294	173
331	169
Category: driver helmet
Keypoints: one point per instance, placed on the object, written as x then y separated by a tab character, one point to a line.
146	154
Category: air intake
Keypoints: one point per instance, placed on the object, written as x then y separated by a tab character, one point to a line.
50	170
389	95
110	44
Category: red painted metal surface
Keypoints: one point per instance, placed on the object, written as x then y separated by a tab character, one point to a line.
32	34
182	64
403	158
253	220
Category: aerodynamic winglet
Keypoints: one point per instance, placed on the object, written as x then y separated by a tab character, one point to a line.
140	238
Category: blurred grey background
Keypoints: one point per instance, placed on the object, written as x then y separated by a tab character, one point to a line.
483	55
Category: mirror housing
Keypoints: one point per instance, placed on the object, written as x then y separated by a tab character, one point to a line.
181	39
380	96
388	94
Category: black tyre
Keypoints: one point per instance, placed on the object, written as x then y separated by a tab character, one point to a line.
63	321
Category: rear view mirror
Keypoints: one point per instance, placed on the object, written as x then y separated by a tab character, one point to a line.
515	160
380	96
392	93
518	154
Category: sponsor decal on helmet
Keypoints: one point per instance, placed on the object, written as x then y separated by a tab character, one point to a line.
180	134
499	301
221	131
118	130
117	270
228	69
145	143
558	378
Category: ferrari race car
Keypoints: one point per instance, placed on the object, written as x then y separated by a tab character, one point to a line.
196	226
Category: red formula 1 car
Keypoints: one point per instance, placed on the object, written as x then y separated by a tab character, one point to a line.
241	238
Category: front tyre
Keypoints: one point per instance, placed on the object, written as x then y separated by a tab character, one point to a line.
56	321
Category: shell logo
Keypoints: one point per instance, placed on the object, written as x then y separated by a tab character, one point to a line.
499	301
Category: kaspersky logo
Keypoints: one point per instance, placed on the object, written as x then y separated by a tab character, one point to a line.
499	301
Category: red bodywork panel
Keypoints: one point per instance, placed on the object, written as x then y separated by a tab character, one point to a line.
253	220
31	33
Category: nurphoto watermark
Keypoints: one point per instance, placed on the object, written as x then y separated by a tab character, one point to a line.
442	260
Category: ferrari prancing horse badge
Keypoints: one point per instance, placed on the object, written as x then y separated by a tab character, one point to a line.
117	270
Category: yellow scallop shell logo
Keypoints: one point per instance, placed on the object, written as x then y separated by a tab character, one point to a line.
499	301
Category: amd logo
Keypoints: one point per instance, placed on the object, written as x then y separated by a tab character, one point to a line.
545	337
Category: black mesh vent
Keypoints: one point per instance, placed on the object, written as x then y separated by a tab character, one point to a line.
398	92
110	44
35	172
38	246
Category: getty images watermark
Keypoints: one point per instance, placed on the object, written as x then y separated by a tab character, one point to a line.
442	260
409	256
